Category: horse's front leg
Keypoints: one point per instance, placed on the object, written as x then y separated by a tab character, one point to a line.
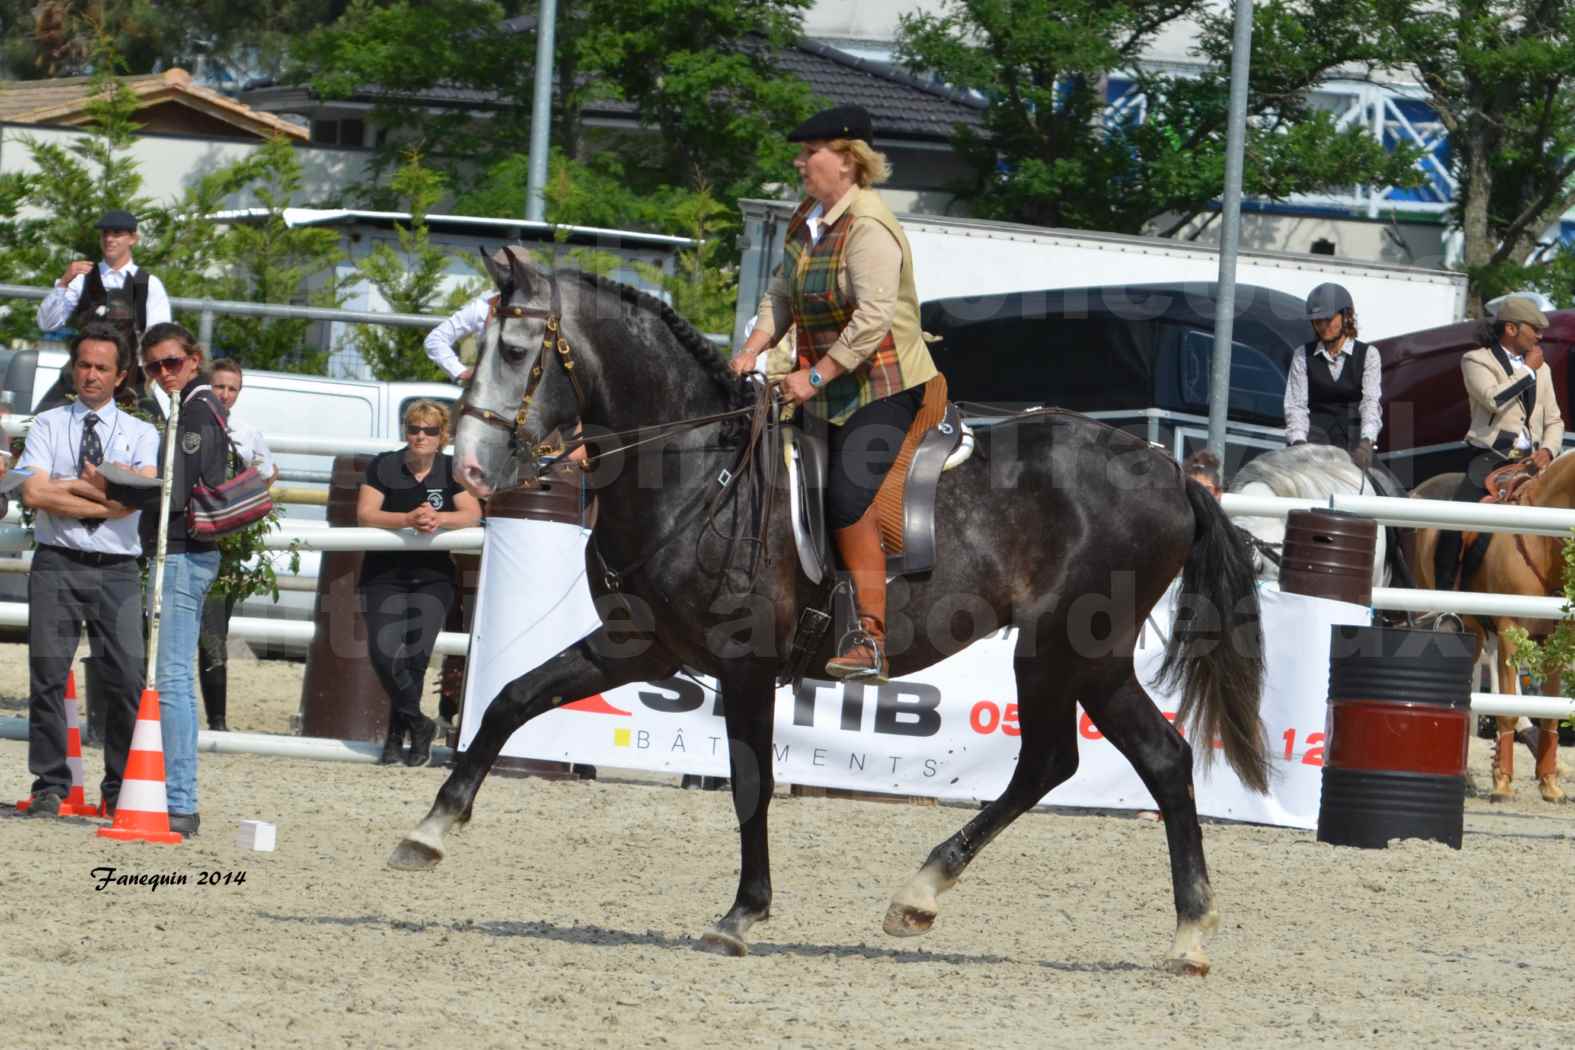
581	670
747	699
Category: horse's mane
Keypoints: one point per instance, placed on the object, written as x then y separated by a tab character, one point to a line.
687	335
1303	471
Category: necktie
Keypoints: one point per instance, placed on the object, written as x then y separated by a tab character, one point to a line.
92	451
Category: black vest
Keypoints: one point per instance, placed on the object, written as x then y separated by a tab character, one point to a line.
126	306
1334	406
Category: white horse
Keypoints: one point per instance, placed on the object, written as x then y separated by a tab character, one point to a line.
1303	472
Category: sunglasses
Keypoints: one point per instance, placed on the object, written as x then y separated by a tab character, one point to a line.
430	432
161	365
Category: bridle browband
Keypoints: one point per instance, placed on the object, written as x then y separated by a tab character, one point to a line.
553	347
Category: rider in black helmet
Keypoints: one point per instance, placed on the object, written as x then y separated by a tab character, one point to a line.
1332	392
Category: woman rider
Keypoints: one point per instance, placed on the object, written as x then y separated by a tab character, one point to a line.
1333	390
846	285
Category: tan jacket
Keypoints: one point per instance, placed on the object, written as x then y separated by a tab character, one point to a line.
1498	411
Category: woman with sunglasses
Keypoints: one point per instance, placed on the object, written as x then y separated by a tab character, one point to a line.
406	595
172	358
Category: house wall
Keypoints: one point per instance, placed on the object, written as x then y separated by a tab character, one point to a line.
170	164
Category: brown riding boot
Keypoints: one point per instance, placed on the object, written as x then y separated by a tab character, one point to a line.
862	653
1504	762
1548	761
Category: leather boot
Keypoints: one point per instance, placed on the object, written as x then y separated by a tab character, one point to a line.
393	744
1548	761
215	696
1504	761
421	734
861	655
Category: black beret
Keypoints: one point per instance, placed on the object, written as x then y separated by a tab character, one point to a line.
118	219
839	122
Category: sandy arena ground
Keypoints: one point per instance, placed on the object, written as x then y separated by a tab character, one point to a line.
568	915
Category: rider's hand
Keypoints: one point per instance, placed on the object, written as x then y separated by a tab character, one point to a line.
1533	358
743	362
464	377
1363	456
797	387
1542	457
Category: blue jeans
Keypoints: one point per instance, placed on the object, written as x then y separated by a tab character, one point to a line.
187	578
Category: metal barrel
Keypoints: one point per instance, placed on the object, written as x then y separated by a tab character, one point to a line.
1329	554
1400	722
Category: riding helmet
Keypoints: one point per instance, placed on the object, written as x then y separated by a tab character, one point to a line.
1327	300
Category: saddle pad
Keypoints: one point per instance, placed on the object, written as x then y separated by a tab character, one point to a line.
889	497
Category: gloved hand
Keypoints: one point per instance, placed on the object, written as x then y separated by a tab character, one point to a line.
1298	441
1363	456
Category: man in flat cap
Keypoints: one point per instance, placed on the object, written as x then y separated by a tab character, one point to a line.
115	290
1514	412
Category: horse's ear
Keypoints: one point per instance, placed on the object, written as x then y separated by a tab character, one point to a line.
500	276
519	273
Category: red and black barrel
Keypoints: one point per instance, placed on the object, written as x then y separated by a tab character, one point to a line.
1400	721
1329	554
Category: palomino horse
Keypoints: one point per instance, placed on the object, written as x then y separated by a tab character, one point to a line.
1512	564
1068	529
1306	471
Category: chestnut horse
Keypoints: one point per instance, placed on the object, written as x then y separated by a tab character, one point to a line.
1514	563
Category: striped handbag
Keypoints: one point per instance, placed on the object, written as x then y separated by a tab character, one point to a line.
240	501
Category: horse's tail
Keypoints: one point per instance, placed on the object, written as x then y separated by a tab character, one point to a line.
1215	649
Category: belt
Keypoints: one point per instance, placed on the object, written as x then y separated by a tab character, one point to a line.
98	558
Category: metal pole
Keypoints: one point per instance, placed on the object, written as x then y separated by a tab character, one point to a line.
541	114
205	331
1230	228
171	439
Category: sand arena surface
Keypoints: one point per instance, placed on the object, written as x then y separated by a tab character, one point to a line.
568	915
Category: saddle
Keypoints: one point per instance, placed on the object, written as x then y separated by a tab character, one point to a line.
1513	483
937	441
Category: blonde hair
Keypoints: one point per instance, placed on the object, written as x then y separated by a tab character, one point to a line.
426	409
869	167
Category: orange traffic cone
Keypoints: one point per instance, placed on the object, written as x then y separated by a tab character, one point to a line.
142	814
75	804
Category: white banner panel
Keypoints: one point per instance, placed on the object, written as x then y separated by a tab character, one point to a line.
949	732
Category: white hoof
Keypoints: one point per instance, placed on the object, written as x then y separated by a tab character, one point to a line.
720	942
904	920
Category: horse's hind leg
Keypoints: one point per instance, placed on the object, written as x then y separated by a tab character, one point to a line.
1047	756
1163	760
578	671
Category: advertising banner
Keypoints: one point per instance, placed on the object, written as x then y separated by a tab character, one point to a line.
949	732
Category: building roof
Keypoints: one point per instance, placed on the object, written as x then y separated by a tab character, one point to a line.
903	106
64	100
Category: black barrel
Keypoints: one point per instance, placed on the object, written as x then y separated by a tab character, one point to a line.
1400	721
341	696
1329	554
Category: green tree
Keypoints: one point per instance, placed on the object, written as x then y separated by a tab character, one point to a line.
1502	80
410	280
269	262
1049	154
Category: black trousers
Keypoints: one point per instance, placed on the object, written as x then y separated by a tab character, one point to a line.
403	617
862	450
66	589
1472	487
213	656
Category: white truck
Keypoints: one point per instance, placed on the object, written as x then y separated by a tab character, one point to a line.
955	258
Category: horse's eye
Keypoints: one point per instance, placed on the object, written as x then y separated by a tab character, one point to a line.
512	354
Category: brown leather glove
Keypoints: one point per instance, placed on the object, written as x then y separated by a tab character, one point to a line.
1363	456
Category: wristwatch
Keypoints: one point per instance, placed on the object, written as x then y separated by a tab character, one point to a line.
815	378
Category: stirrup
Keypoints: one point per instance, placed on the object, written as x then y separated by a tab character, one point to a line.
854	639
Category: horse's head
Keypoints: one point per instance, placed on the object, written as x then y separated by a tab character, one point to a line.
523	387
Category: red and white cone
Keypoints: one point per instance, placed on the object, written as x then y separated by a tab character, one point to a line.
142	814
75	804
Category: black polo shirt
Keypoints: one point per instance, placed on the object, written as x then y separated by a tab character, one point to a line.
389	474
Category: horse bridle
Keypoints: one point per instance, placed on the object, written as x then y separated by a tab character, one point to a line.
553	347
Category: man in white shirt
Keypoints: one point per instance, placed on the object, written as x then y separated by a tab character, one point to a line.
85	567
466	321
213	641
115	290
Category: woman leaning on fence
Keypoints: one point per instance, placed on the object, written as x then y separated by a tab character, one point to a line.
406	595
